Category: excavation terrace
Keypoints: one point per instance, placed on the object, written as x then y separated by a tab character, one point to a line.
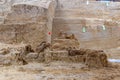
59	40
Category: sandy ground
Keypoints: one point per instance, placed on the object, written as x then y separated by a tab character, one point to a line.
58	71
62	70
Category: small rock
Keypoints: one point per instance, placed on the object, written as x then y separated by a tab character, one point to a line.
4	51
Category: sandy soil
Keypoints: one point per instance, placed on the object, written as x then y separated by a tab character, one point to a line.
58	71
61	70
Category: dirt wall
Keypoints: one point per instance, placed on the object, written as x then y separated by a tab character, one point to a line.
94	35
95	25
28	22
31	33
